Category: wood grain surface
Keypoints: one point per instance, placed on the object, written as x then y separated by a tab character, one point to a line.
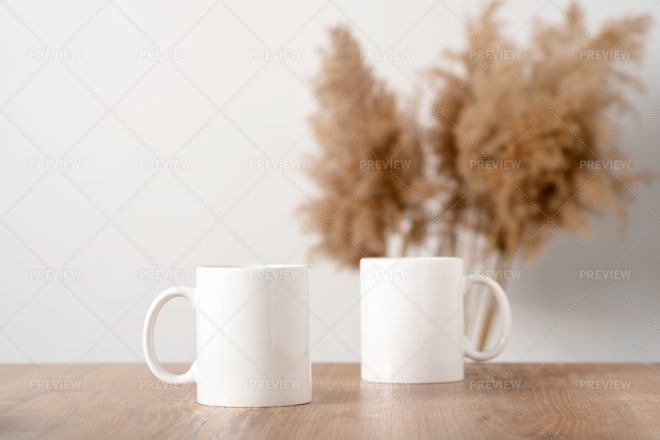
119	401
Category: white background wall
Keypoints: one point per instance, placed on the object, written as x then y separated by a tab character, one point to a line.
97	97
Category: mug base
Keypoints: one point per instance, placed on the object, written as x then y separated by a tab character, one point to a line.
236	405
412	382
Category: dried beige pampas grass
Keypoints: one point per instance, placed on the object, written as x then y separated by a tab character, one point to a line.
522	141
370	168
525	133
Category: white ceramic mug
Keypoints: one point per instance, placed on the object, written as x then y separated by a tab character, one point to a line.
252	335
412	319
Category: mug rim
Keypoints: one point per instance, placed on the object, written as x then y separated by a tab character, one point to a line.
411	258
254	266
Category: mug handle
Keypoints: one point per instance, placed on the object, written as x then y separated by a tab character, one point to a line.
505	311
148	336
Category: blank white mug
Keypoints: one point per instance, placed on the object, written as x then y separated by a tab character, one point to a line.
252	335
412	319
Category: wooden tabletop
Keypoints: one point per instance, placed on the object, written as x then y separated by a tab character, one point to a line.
120	401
